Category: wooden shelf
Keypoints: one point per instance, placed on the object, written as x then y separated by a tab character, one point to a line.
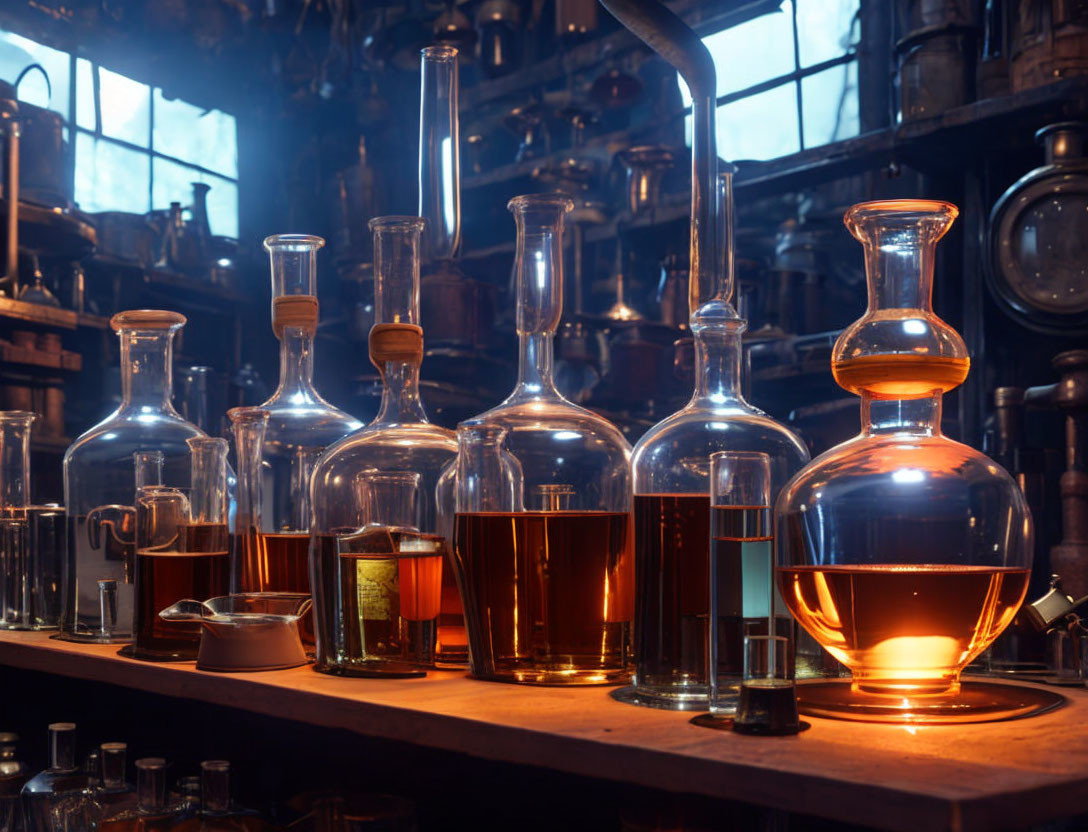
977	777
34	313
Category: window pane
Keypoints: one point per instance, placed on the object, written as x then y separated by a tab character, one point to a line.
829	101
825	29
85	94
173	182
126	107
17	53
208	139
762	126
751	52
110	177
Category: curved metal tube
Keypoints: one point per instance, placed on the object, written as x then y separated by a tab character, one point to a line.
672	39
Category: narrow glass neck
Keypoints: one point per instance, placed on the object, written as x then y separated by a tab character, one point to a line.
296	362
249	426
400	394
439	153
899	268
208	495
718	351
888	416
146	369
536	353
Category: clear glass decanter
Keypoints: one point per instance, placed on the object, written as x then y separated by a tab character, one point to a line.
671	465
271	550
377	553
100	480
902	552
542	543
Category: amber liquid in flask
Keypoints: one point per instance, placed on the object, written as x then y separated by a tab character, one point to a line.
198	568
904	628
555	590
900	376
672	535
278	562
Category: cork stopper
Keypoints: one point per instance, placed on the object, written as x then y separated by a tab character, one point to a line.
396	342
294	310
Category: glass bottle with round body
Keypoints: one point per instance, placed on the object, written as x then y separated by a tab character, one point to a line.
671	464
546	576
100	480
377	553
903	552
271	552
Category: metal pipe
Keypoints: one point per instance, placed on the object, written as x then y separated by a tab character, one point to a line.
675	41
9	127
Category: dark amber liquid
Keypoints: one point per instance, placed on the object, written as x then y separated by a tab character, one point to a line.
452	646
547	595
391	594
900	376
903	627
278	562
672	562
198	569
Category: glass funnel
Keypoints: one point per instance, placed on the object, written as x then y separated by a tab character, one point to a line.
100	479
377	553
903	552
272	545
545	575
671	465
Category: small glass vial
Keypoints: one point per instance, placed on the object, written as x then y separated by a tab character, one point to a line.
768	696
44	792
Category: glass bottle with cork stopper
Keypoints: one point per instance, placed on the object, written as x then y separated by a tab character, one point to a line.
272	538
377	553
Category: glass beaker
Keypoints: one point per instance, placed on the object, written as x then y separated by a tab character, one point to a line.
902	552
31	537
671	464
99	480
300	424
741	568
182	552
364	545
546	578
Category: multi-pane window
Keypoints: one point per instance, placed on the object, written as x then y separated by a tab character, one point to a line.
787	80
135	149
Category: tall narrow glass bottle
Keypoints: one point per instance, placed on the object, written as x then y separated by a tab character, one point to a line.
547	577
272	556
376	552
671	465
99	480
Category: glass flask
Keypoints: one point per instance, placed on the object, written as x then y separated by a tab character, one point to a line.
100	479
272	545
48	790
671	465
903	552
13	776
377	551
182	552
543	545
31	537
151	812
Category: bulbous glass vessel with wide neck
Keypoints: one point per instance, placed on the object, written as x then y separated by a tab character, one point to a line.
270	552
385	599
671	464
546	575
100	479
903	552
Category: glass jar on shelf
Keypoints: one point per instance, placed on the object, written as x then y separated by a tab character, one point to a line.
51	789
903	552
272	535
671	465
378	555
542	541
100	480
